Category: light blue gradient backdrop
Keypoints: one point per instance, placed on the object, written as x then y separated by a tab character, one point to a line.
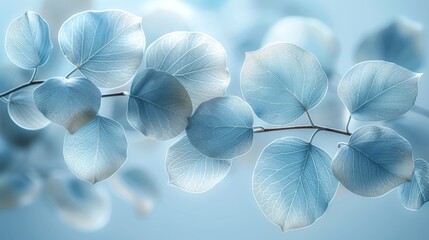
229	210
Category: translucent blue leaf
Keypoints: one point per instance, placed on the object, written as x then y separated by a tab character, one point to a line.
135	186
24	112
13	133
281	82
28	44
310	34
195	59
18	188
12	76
159	105
293	182
77	203
70	103
374	161
401	42
378	90
192	171
106	46
222	127
415	193
97	150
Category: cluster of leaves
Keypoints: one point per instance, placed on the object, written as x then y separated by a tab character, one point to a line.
180	86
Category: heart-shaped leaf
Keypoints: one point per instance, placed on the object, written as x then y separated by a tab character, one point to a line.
24	112
222	128
192	171
78	203
106	46
97	150
28	44
374	161
281	82
415	193
70	103
378	90
195	59
159	105
293	182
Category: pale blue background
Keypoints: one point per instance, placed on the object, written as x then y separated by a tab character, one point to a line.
229	210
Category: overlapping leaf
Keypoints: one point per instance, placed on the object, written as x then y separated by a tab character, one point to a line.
97	150
378	90
375	160
293	182
222	127
415	192
28	44
23	111
106	46
192	171
281	82
70	103
195	59
159	105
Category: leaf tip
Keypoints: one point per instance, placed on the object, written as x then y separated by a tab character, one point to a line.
419	75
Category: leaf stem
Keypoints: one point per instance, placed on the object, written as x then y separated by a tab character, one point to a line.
313	135
123	93
309	118
4	99
420	110
34	82
70	73
321	128
348	124
33	76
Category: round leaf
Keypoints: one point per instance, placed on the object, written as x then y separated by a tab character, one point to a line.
192	171
281	82
293	182
378	90
415	193
28	44
106	46
401	42
24	112
70	103
18	188
195	59
159	105
310	34
78	203
135	186
222	128
97	150
375	161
